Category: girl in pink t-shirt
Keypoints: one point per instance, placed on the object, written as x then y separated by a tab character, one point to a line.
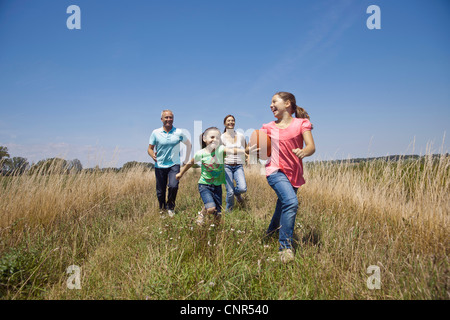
284	170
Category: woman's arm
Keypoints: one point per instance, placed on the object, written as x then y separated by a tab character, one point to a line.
235	150
309	148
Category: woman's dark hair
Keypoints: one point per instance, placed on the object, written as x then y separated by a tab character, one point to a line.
299	112
203	134
225	119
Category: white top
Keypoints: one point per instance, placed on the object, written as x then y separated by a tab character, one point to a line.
239	142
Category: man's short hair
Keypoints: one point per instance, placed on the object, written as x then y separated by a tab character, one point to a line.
167	110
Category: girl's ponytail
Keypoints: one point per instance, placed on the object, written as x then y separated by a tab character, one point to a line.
301	113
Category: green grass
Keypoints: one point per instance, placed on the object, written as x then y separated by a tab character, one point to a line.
127	251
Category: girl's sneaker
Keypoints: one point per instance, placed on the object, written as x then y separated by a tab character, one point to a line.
240	200
286	255
200	218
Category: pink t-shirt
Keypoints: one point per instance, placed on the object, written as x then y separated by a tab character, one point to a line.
283	141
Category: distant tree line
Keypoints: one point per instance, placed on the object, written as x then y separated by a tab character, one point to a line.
19	165
392	158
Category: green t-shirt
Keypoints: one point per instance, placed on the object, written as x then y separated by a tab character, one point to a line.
213	169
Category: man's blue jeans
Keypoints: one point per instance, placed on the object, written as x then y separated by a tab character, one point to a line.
235	173
165	177
286	209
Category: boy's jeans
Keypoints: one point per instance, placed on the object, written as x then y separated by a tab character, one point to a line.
285	210
234	173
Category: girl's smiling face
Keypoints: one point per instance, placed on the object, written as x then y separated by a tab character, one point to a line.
212	138
279	106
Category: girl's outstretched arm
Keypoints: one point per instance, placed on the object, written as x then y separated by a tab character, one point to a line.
184	169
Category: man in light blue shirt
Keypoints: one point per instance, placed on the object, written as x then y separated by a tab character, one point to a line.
164	148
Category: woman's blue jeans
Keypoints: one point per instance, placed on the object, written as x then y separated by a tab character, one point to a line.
234	173
285	213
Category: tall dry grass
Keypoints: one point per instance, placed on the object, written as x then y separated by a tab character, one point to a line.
390	214
406	191
42	199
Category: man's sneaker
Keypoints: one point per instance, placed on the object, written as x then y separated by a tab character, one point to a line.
286	255
171	213
200	218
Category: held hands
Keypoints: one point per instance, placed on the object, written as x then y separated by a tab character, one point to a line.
178	176
299	153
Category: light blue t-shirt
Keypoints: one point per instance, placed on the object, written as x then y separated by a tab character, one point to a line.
167	146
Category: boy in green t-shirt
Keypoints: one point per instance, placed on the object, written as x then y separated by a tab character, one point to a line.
212	171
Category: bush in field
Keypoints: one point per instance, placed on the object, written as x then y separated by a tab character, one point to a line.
49	166
56	166
135	164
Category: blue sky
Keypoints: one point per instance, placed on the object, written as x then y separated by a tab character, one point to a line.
96	94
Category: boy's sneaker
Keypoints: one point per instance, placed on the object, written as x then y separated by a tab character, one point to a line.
200	218
286	255
171	213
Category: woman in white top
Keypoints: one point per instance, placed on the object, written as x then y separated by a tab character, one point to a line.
234	169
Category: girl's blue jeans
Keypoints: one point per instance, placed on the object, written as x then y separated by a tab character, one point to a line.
211	196
285	213
234	173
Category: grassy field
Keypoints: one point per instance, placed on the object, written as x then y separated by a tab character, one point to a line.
391	216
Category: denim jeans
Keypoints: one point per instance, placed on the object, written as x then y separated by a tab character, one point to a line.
235	173
211	196
286	209
165	177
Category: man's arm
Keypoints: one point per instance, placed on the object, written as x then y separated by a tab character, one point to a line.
151	152
188	150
